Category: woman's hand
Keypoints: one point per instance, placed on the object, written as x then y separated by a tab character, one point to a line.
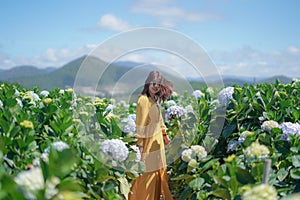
166	139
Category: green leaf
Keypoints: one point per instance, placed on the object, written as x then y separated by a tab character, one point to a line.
182	177
244	177
282	174
116	130
282	146
185	193
295	173
296	160
61	163
196	183
124	186
221	193
296	114
228	130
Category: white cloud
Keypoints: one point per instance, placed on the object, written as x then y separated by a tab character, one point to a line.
111	22
169	14
245	61
51	57
253	63
293	50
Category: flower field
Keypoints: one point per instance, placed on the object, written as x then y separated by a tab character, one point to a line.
61	145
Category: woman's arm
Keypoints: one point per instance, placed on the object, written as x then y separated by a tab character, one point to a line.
141	118
164	131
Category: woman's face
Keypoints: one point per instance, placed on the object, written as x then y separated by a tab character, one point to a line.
154	88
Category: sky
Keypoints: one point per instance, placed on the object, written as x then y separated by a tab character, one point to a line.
244	38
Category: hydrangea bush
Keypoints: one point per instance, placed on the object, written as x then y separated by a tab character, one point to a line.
56	144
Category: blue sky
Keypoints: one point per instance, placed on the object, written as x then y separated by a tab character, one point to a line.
243	37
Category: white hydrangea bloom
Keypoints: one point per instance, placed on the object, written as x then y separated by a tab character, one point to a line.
187	155
289	128
256	151
268	125
130	127
44	93
194	152
210	90
116	149
171	103
225	95
109	108
137	151
33	97
19	102
174	111
17	93
197	94
51	189
59	146
260	192
1	104
31	180
199	151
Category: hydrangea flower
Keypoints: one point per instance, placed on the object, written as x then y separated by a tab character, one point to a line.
232	145
194	152
171	103
44	93
1	104
69	90
51	189
199	151
47	100
210	90
31	181
109	108
243	136
268	125
289	128
174	111
225	95
27	124
186	155
17	93
197	94
61	91
260	192
116	149
58	146
19	102
30	95
130	127
256	151
137	151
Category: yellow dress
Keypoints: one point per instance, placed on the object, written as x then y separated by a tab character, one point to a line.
150	127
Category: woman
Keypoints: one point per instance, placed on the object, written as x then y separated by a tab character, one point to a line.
152	137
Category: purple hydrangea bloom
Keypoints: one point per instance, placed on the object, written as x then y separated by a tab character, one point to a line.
174	111
225	95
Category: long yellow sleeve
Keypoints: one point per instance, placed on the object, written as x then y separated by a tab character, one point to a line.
142	111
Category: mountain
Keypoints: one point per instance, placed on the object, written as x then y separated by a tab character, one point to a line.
117	78
273	79
21	71
62	77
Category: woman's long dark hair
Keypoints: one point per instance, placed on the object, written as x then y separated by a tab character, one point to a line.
166	86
